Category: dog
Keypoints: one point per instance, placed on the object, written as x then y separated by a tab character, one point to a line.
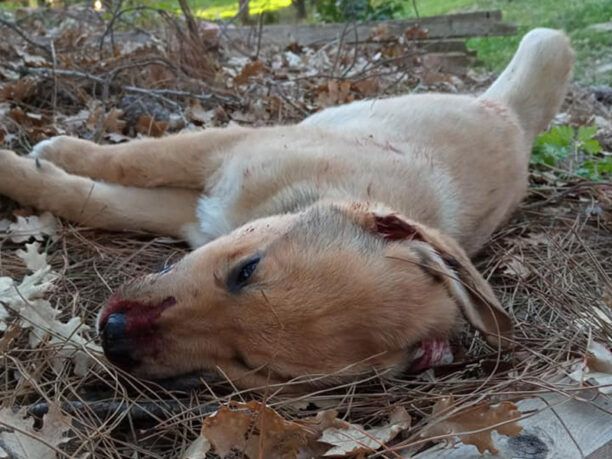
337	246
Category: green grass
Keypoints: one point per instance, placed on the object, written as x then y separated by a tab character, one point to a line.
436	7
224	9
593	49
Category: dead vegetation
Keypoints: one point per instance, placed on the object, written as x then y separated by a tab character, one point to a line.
110	78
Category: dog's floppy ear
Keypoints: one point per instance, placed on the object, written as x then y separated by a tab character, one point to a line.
443	258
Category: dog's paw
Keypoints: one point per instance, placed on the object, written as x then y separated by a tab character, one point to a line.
46	148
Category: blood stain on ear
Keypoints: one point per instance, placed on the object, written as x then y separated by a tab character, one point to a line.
395	229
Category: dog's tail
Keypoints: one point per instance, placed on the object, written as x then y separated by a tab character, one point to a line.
535	82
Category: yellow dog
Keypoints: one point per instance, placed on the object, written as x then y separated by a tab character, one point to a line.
335	246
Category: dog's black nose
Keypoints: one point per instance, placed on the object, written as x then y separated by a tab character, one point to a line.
117	346
114	329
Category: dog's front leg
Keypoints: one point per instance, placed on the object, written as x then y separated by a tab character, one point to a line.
41	184
181	160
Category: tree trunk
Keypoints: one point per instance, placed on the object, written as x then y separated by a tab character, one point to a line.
243	11
300	7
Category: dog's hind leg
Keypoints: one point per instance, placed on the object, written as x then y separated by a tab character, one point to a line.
535	82
183	160
41	184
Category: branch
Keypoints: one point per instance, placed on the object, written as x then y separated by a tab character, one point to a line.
46	72
156	93
191	23
138	413
172	92
15	28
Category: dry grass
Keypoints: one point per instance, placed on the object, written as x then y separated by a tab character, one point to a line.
564	251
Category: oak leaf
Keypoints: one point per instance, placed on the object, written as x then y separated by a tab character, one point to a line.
596	367
353	439
21	441
475	424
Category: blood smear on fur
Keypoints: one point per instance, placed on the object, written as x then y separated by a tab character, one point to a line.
432	353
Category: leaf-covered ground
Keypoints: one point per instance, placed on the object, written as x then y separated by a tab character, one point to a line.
146	73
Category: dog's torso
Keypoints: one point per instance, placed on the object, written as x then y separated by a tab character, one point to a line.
456	163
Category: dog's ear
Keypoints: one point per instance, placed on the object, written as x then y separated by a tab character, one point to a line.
442	257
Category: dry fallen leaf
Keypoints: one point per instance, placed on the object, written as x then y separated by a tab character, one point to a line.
353	439
198	449
33	259
5	283
367	87
516	267
596	366
21	441
249	70
149	126
31	60
8	336
32	227
259	431
335	93
416	33
26	298
481	419
535	239
599	357
18	90
381	32
199	115
112	121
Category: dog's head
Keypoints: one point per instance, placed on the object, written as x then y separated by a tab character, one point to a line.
337	289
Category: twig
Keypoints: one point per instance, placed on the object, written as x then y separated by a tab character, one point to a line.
191	23
110	28
259	34
15	28
215	98
43	71
119	15
562	194
355	53
54	63
140	412
172	92
416	10
340	45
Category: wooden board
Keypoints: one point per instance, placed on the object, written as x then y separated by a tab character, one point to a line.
476	24
569	429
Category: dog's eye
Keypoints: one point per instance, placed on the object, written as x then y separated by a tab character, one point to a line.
240	275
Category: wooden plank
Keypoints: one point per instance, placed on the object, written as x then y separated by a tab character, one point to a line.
456	45
552	433
476	24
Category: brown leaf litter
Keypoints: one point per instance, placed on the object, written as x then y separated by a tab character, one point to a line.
256	430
